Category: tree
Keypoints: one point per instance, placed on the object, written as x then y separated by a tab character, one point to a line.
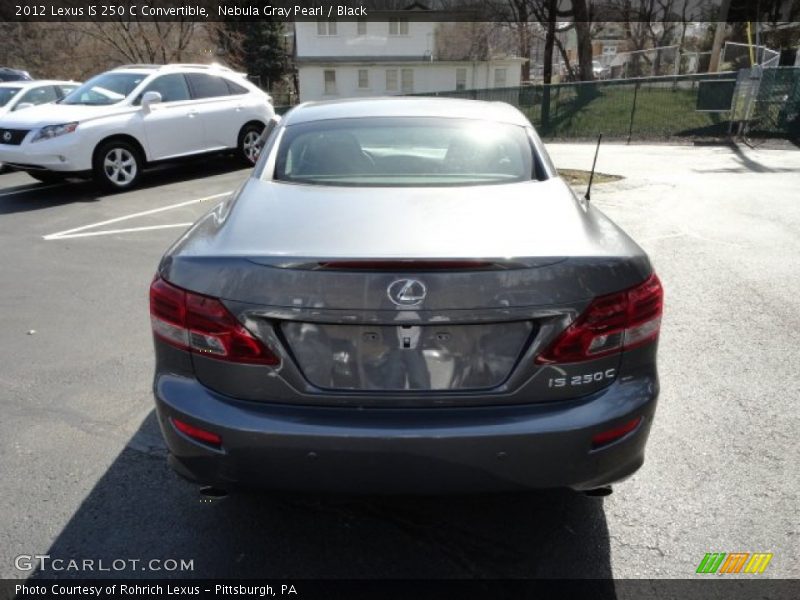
520	14
143	41
258	47
653	24
97	46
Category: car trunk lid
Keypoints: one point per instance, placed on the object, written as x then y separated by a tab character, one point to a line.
492	273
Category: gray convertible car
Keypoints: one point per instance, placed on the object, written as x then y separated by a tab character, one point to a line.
405	297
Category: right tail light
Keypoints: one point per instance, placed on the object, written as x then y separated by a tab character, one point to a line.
611	324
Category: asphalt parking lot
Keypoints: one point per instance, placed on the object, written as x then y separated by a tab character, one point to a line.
83	464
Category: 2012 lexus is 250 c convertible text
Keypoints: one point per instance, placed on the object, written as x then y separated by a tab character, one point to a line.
405	297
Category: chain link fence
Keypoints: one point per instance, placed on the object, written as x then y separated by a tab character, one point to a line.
741	56
775	110
684	106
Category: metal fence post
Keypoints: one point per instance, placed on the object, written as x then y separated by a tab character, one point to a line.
633	111
754	76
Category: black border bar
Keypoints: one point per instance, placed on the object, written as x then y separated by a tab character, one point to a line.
774	11
750	587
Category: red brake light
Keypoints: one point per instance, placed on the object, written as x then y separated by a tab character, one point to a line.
203	325
407	265
610	324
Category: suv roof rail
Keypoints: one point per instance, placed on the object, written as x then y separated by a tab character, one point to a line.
172	65
139	66
198	66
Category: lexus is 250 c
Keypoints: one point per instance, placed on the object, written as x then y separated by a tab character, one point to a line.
405	297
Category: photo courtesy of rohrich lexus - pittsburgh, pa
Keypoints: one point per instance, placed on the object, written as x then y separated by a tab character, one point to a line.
399	299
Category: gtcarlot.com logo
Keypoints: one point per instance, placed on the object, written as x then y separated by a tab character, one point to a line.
29	562
734	562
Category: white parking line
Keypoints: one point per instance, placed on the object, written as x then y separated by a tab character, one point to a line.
32	189
112	231
75	232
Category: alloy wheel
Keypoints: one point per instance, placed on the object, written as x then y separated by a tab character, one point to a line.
250	145
120	166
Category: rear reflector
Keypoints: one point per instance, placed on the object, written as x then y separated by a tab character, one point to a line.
612	435
611	324
196	433
203	325
407	265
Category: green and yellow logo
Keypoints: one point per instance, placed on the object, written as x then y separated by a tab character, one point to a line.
734	562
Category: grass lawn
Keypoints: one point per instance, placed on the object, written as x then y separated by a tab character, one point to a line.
660	112
577	177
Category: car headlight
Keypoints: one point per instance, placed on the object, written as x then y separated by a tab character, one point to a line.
52	131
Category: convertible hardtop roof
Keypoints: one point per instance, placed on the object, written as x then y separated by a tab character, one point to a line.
405	107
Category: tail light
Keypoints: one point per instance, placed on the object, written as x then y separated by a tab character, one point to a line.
203	325
611	324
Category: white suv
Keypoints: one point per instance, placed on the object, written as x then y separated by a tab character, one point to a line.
118	122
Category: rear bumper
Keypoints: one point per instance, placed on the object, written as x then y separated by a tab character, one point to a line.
430	450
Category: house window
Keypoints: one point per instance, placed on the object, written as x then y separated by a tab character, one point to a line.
406	80
609	50
363	79
500	77
361	25
326	27
330	81
398	26
461	79
391	80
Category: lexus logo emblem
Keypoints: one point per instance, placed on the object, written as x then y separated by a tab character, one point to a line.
7	136
407	292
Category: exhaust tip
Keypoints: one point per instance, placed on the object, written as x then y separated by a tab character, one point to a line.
600	492
212	494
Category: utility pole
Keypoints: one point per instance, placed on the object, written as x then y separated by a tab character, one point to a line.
719	36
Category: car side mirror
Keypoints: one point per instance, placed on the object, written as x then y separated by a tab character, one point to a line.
149	99
23	105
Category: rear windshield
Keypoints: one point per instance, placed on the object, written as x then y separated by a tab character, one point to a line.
404	151
6	94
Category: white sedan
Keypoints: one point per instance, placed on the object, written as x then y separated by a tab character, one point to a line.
18	95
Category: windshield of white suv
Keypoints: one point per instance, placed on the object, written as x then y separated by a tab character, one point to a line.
7	93
108	88
404	151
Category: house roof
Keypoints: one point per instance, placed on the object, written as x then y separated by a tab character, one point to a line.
366	58
371	59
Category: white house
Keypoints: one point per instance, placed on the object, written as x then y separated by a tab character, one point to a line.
346	59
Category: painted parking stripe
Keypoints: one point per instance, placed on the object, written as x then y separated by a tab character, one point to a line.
113	231
76	231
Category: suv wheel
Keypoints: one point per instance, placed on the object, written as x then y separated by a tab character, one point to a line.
117	165
248	143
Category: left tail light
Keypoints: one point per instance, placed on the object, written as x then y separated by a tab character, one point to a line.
611	324
202	325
